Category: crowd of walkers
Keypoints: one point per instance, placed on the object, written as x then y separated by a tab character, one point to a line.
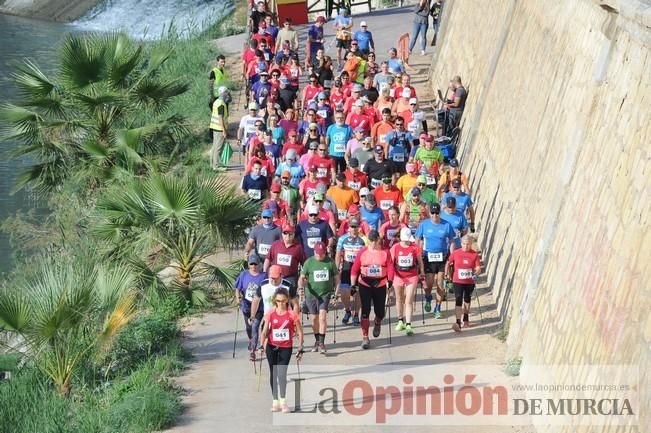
361	198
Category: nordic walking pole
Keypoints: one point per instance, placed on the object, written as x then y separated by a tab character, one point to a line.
422	299
387	306
334	321
260	371
237	322
481	316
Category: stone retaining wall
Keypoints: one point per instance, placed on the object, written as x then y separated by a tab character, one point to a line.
557	145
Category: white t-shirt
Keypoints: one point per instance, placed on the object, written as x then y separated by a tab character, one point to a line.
247	123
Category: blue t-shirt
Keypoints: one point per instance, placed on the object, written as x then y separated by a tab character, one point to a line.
363	39
303	126
324	112
339	136
273	152
278	135
312	233
248	285
317	34
343	21
374	218
395	65
463	200
255	188
437	236
261	91
296	171
458	222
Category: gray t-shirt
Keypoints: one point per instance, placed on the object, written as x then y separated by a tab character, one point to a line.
363	156
263	238
460	93
421	15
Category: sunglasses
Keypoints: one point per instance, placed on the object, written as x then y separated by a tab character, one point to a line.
322	150
362	196
314	214
318	201
288	233
281	300
421	184
266	217
253	264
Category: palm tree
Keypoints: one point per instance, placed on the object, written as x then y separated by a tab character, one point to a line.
184	219
68	313
104	110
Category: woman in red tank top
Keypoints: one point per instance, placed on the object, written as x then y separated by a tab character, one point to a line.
390	230
280	324
408	262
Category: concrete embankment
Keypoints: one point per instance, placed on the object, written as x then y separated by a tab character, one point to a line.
557	143
55	10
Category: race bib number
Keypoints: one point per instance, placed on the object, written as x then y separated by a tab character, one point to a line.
250	293
376	182
382	138
399	157
310	192
339	147
464	274
321	172
263	249
342	213
431	180
391	233
355	185
321	276
281	334
263	171
405	261
312	241
349	256
284	259
374	271
435	257
386	204
255	194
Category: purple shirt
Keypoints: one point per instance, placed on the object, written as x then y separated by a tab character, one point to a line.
248	285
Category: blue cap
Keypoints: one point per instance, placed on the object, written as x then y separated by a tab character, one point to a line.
454	162
267	213
415	191
321	95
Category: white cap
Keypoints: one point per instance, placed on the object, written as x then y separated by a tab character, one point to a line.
406	92
312	209
413	101
359	103
364	191
405	235
222	90
362	24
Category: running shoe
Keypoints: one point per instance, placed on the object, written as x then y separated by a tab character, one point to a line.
408	330
346	318
356	320
315	348
284	408
428	306
377	328
252	356
322	349
400	326
422	52
366	343
456	327
275	407
437	314
466	324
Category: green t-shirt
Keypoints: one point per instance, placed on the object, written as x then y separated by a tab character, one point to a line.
427	195
320	276
428	156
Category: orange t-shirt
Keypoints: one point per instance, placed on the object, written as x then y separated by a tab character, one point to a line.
380	131
343	198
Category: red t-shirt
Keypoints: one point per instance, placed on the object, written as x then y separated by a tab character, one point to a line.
364	228
310	92
465	263
336	99
298	147
248	55
281	327
283	206
268	168
356	181
324	167
288	258
307	188
399	90
360	121
386	199
405	259
347	90
390	234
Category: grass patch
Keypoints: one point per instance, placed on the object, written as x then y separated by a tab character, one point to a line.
513	366
502	332
9	361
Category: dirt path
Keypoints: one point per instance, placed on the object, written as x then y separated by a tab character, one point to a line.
222	392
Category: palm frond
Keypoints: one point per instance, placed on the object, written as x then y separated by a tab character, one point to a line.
172	200
32	83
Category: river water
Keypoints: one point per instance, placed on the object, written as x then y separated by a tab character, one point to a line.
21	38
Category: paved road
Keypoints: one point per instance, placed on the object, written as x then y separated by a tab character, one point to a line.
222	392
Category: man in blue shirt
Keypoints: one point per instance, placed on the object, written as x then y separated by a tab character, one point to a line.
372	214
435	238
315	39
364	39
464	202
395	64
456	219
337	136
295	169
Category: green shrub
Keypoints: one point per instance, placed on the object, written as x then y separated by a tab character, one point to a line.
513	366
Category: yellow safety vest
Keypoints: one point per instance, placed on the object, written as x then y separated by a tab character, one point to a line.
214	118
220	78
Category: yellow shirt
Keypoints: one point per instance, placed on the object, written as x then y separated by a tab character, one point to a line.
406	183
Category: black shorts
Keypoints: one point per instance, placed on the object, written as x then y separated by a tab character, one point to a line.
463	290
340	164
315	304
434	267
344	278
342	43
293	282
